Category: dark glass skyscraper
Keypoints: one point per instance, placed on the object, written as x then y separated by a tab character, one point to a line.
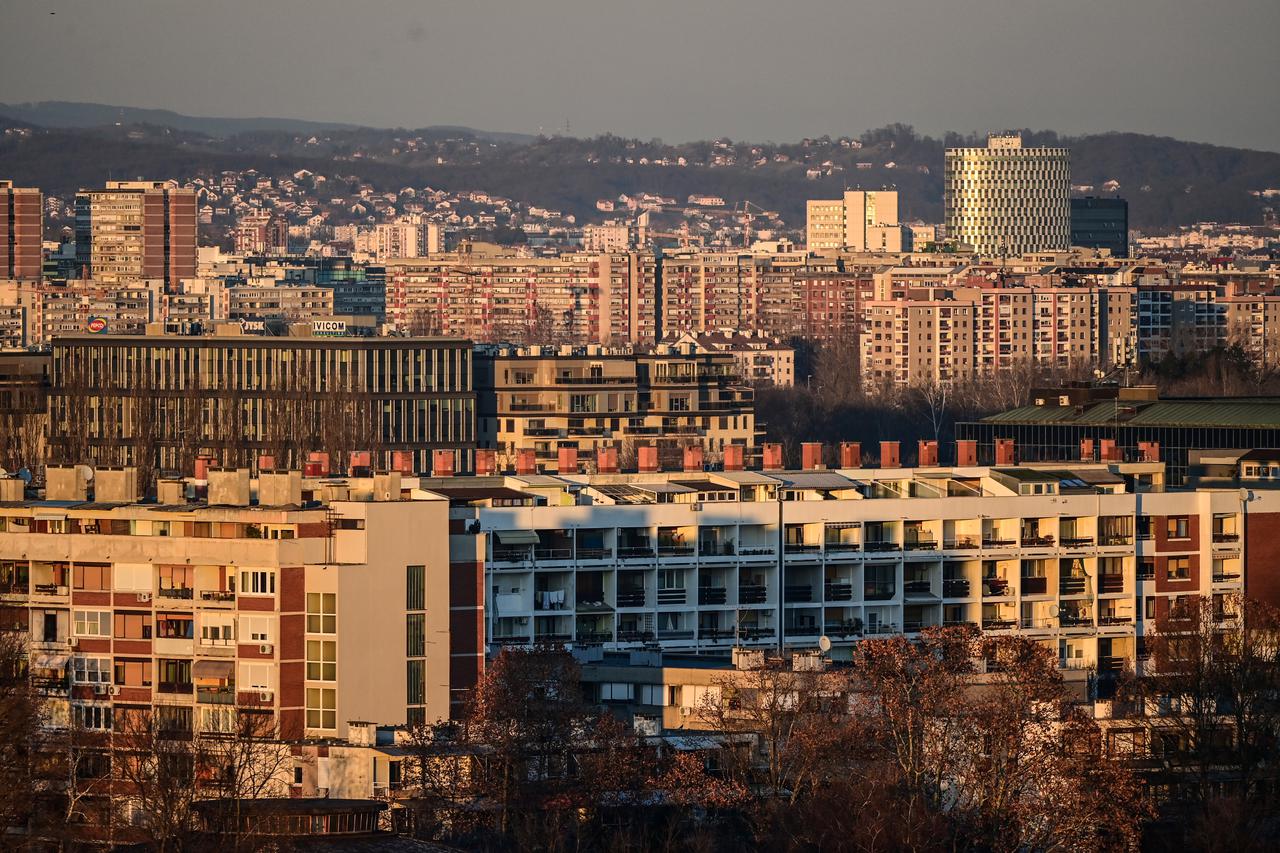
1101	223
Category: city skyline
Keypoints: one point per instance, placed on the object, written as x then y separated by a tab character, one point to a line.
695	80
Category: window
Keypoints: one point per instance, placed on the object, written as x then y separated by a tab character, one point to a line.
415	635
415	588
217	629
1151	607
322	660
91	670
96	717
415	675
1178	569
322	708
132	626
616	691
256	677
257	629
652	694
133	673
257	582
322	609
93	623
92	576
176	577
1177	527
132	577
175	626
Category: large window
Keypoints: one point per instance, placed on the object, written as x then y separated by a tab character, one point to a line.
132	626
133	673
1177	527
92	576
322	660
322	708
322	610
415	588
257	582
93	623
91	670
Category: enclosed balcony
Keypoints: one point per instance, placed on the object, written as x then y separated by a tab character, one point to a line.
713	587
803	540
717	627
553	629
1077	532
838	582
963	534
1073	579
921	535
1226	529
998	617
1115	612
50	579
631	589
1035	577
842	623
592	545
716	541
757	541
591	591
1076	614
552	591
634	543
677	542
672	587
879	536
880	581
995	579
920	581
1039	532
1000	532
959	615
593	629
512	546
842	537
1111	574
1115	530
752	589
880	621
554	546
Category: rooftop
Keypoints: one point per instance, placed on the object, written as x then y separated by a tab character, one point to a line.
1263	412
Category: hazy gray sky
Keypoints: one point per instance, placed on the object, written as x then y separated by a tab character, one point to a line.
676	69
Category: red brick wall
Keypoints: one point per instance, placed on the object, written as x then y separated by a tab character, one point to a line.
1262	557
466	630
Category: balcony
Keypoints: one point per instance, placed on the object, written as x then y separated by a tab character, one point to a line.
882	628
757	551
1226	538
221	695
922	544
216	595
511	640
632	636
750	593
553	555
176	687
751	632
881	546
918	589
997	624
1108	584
1072	586
1115	619
668	597
551	637
960	543
635	553
842	547
843	630
995	587
631	598
998	543
595	637
180	593
511	555
797	593
1116	539
1035	585
1226	577
838	591
585	554
955	588
1075	620
1077	542
717	634
879	590
712	595
1037	541
802	548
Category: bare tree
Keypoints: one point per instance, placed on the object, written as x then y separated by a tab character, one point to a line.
20	720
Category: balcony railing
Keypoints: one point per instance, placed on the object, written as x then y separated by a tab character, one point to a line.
511	555
803	548
634	553
882	628
955	588
993	542
748	632
717	634
221	695
553	554
882	545
1117	539
1225	577
917	588
594	553
1110	583
712	595
842	629
757	551
1072	586
838	547
751	593
1037	541
1035	585
798	593
551	637
595	636
997	624
182	687
180	593
838	591
878	590
1220	538
626	636
672	596
921	544
995	586
1114	619
217	595
631	598
1075	620
511	640
1077	541
960	542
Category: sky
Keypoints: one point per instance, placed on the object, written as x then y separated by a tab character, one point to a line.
759	70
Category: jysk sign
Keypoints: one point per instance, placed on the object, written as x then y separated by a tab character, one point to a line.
328	328
96	325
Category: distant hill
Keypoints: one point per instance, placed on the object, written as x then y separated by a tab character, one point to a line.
1167	182
71	114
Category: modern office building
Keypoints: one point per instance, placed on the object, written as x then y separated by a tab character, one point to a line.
133	231
21	222
1101	223
1114	423
1004	199
543	400
156	401
1078	556
862	221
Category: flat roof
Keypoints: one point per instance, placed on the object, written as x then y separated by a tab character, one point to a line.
1260	412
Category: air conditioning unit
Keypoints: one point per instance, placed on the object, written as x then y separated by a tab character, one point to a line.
266	648
696	506
101	689
144	597
73	641
264	696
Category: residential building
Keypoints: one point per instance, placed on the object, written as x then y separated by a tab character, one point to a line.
256	597
1005	199
1081	557
862	221
152	400
544	400
136	230
762	361
21	232
606	238
1101	223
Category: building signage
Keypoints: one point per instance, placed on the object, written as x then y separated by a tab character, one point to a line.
328	328
96	325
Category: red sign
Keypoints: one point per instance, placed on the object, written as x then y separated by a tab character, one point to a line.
96	325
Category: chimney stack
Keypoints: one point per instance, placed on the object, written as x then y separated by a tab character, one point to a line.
229	486
850	454
1111	453
890	455
361	463
1005	452
606	460
647	459
1086	450
203	463
486	461
526	461
1148	451
693	458
966	453
811	455
317	464
115	485
771	456
567	460
927	454
402	461
266	463
735	457
442	463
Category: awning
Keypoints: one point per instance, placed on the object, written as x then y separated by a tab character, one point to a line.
517	537
223	670
45	661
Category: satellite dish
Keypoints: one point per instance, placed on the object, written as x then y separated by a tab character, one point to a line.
824	643
86	472
1054	610
1245	494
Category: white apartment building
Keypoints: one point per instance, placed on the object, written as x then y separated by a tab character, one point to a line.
1077	556
861	221
1004	200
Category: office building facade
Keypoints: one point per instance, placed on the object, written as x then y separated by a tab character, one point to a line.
1005	200
1101	223
133	231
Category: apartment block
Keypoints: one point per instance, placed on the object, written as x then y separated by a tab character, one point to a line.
136	230
1005	199
1078	556
298	601
861	221
546	401
21	232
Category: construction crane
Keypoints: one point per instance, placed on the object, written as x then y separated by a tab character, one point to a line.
746	217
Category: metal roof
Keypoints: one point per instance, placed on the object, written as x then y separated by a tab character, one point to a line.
1244	412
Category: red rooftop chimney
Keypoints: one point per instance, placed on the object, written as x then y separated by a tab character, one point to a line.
442	463
966	453
1005	453
890	457
266	463
1148	451
567	460
607	460
1086	450
317	464
734	457
1111	453
647	459
693	458
526	461
928	454
850	454
402	461
486	461
811	455
203	463
771	456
